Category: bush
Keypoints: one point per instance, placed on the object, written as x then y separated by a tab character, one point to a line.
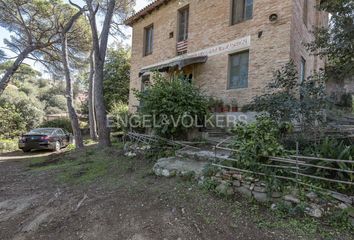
7	145
11	122
170	100
19	112
288	100
119	112
333	149
257	141
63	123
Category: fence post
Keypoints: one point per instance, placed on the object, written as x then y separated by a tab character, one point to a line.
297	164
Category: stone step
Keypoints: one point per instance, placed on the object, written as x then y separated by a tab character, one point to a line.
201	155
175	166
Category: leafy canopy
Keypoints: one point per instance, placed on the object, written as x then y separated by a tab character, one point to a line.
116	77
336	42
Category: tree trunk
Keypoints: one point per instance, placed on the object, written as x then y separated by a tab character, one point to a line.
100	48
91	99
69	94
100	108
11	70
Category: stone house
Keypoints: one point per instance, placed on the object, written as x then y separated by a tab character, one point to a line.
230	48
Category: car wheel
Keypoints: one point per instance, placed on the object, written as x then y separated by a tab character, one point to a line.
25	150
57	146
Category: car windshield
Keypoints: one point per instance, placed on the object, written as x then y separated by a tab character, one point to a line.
42	131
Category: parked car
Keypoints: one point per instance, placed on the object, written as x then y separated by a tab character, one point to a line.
45	138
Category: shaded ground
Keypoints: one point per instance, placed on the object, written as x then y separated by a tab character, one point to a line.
100	194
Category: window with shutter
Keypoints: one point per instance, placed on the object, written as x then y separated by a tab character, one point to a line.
241	10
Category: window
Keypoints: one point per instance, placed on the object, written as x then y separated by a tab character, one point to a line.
238	70
183	21
305	12
145	80
148	40
302	70
241	10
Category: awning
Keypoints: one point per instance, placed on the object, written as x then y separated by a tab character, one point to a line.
180	63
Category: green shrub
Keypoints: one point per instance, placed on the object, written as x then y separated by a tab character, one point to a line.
21	112
8	145
11	122
119	112
333	149
287	100
63	123
169	100
257	141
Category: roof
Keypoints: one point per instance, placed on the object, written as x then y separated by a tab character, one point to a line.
145	11
180	63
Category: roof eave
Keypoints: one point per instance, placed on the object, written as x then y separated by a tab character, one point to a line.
145	11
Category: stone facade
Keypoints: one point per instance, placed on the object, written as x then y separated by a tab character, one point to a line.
271	43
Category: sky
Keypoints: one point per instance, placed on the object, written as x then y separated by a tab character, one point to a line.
5	34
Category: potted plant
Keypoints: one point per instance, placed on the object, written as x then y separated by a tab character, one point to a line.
219	105
225	108
234	105
213	104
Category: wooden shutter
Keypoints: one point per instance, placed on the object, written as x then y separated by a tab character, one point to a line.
238	7
305	12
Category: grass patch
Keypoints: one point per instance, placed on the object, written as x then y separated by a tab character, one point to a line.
85	166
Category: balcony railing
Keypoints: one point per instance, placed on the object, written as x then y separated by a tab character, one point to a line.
182	47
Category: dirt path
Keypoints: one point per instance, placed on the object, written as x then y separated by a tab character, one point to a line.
138	207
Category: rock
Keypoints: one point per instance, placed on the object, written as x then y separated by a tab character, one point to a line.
351	212
237	176
314	211
312	196
342	198
276	195
343	206
260	189
252	186
130	154
227	176
292	199
167	173
224	189
244	190
286	203
169	167
250	179
273	206
236	183
260	196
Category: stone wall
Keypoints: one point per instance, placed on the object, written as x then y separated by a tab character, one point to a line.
317	204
